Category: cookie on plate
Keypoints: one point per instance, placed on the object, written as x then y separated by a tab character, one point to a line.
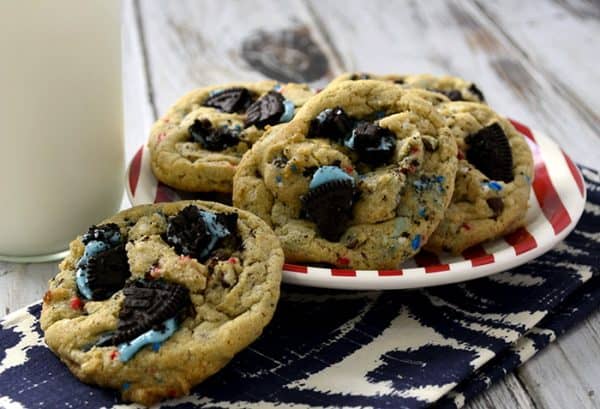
359	178
198	143
157	298
455	88
493	180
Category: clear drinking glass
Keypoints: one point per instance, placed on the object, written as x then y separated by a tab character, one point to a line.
61	137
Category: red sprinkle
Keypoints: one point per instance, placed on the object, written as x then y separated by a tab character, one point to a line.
155	272
460	155
232	260
343	261
466	226
48	296
76	303
166	120
161	137
114	354
414	149
349	169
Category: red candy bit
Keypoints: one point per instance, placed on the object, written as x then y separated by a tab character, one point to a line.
76	303
348	169
172	393
466	226
48	296
460	155
343	261
161	137
414	149
232	260
166	120
114	354
155	272
184	259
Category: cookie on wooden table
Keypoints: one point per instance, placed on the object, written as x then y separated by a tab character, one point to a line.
198	143
359	178
157	298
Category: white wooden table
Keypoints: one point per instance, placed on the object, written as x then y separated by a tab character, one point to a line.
536	61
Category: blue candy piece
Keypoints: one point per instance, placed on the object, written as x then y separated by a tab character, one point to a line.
495	186
416	242
327	174
288	112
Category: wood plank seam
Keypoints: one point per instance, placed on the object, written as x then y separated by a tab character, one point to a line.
139	22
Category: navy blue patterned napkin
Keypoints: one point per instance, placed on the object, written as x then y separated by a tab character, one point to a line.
391	349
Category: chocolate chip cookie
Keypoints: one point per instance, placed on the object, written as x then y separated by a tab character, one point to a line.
198	143
455	88
359	178
159	297
493	182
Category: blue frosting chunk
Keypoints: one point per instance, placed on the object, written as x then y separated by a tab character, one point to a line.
128	349
288	112
216	229
327	174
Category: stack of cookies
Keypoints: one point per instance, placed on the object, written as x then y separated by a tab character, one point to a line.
363	174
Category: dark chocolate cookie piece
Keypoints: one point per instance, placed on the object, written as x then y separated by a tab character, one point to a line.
106	233
107	272
375	145
229	100
213	139
197	233
266	110
473	88
330	206
146	306
332	123
489	151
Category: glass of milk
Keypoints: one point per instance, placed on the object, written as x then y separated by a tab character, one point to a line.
61	136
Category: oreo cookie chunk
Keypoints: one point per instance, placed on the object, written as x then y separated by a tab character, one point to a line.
147	305
489	151
230	100
213	139
197	144
176	321
492	185
329	201
103	268
267	110
331	123
375	145
197	233
342	196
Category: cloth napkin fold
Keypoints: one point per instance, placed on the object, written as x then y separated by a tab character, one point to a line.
381	349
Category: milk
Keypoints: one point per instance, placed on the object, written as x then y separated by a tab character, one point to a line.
61	136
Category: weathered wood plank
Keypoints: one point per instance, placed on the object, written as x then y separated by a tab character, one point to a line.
457	38
508	394
566	373
539	32
191	44
23	284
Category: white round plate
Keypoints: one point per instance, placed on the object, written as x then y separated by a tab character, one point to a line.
555	205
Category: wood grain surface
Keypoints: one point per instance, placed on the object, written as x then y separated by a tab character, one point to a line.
535	61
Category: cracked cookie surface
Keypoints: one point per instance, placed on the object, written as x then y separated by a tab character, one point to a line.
371	159
212	308
492	187
198	143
